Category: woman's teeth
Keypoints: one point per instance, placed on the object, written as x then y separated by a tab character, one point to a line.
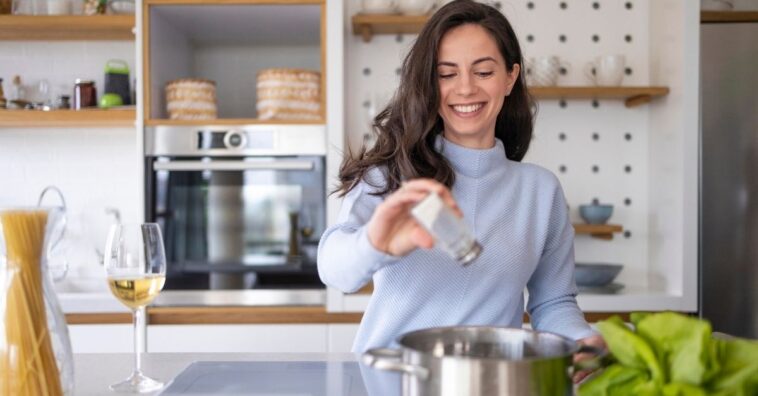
468	108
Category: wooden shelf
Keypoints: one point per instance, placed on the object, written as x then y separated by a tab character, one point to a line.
602	231
728	16
67	118
66	27
230	121
367	25
632	96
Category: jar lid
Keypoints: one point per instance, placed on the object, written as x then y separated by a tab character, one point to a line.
83	81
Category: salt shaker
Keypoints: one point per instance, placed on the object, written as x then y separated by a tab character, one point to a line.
449	231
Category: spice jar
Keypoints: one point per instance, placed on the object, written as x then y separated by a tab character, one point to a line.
85	94
449	231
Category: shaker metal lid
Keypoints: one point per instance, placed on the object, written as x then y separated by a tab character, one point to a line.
83	81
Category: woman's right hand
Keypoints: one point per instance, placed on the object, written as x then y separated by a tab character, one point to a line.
393	230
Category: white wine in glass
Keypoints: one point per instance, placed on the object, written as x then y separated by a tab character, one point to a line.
135	261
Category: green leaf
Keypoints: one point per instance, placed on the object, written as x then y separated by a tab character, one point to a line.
739	367
630	349
681	389
636	317
682	344
614	380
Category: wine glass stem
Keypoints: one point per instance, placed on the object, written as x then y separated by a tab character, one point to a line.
139	339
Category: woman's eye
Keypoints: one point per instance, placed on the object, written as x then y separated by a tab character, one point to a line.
446	76
484	74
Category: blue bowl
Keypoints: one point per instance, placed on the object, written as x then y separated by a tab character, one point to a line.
594	275
596	213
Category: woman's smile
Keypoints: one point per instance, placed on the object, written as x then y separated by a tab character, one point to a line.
468	110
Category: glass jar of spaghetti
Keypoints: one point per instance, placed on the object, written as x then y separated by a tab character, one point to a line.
35	350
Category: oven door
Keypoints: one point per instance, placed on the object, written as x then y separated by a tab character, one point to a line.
238	222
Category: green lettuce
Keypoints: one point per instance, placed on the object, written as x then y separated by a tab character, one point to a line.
672	354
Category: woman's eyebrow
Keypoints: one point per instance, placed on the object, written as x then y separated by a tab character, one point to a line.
480	60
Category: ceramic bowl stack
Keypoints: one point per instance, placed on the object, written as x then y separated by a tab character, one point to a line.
288	94
191	99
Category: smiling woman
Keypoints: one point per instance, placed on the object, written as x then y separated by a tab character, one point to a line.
458	126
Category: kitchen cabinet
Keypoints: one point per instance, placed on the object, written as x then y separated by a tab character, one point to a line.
229	43
237	338
101	338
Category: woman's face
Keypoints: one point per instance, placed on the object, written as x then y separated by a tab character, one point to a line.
473	83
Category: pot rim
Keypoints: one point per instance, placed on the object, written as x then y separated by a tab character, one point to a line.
574	347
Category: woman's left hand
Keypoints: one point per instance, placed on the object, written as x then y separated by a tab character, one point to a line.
595	341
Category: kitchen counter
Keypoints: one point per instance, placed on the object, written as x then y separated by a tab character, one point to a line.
95	372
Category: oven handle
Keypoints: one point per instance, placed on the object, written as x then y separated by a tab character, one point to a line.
231	165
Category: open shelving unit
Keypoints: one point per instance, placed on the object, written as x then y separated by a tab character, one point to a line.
632	96
728	16
68	118
66	27
601	231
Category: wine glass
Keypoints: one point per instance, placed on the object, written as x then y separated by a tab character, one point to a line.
135	261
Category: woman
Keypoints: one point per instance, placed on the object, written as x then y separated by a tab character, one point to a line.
459	125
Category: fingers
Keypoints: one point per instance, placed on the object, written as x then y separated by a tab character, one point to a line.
421	238
431	185
579	376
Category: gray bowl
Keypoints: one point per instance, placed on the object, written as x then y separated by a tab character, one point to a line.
596	213
593	275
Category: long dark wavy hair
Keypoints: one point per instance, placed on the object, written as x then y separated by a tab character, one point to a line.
407	128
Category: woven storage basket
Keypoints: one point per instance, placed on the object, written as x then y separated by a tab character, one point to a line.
191	99
288	94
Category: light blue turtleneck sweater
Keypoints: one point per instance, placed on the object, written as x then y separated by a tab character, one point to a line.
518	214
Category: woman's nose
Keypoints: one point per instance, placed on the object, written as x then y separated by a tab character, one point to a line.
466	85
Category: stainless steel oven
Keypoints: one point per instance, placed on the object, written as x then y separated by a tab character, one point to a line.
240	207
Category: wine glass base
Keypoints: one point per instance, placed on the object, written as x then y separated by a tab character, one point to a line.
137	383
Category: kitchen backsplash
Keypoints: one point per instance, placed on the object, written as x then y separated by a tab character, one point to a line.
598	149
95	168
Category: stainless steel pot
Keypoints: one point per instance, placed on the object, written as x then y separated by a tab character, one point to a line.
468	361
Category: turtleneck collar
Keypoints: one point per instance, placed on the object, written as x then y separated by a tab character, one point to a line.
472	162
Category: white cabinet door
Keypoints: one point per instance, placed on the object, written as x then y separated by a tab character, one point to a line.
101	338
237	338
341	337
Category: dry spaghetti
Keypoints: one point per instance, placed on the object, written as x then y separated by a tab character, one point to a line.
27	360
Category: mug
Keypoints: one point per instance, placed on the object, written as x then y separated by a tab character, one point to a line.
415	7
378	6
543	71
606	70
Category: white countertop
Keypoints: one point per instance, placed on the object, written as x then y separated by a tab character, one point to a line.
95	372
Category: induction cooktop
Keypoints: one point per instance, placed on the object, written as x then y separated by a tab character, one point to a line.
295	378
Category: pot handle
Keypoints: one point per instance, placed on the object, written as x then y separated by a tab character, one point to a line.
601	359
391	360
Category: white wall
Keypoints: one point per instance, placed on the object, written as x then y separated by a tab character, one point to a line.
94	167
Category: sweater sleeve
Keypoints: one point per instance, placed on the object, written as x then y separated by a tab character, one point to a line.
346	258
552	289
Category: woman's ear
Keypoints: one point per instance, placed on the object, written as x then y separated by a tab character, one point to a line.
512	78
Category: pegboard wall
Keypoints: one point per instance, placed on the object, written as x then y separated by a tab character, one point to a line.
597	148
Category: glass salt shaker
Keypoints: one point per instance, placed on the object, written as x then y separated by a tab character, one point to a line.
449	231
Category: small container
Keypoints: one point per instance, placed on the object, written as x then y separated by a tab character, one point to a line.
85	94
63	102
449	231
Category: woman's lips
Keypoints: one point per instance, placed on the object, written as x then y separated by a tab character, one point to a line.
468	110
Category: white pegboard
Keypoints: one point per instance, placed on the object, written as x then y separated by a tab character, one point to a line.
564	140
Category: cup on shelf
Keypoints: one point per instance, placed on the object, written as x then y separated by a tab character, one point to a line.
596	213
606	70
544	71
378	6
58	7
415	7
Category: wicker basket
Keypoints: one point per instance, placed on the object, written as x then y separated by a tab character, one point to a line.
191	99
288	94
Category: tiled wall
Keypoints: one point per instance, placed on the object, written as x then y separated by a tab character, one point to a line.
94	167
